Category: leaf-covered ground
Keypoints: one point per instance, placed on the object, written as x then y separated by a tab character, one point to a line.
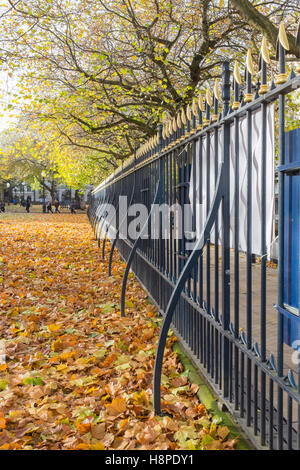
76	375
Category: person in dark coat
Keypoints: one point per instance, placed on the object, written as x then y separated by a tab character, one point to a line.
49	207
72	208
56	205
28	204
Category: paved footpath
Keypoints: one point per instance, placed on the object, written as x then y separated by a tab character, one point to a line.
73	374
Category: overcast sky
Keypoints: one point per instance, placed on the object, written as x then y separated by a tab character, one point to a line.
7	87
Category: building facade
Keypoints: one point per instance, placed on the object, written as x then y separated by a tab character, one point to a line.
63	194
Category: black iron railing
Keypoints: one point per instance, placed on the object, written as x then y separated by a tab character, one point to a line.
219	303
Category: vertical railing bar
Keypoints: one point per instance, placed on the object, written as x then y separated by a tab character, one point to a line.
226	230
271	414
281	158
263	408
242	388
289	423
255	401
216	149
208	296
195	210
249	247
200	202
236	240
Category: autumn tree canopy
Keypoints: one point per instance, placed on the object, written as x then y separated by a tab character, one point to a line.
99	75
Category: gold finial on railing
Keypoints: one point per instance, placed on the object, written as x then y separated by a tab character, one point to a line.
183	117
167	129
195	107
217	90
282	36
265	51
217	96
195	115
208	97
164	124
178	121
264	61
201	102
188	112
250	71
169	132
249	62
179	125
174	125
237	73
282	47
237	81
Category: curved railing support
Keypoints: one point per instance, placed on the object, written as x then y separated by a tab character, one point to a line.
111	254
112	218
135	246
219	192
107	230
99	227
145	226
98	217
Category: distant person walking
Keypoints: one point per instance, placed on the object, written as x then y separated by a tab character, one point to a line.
49	208
72	208
57	205
28	204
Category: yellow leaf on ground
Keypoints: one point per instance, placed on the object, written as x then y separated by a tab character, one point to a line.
98	446
53	327
116	407
223	432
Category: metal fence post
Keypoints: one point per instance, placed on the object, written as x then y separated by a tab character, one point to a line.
226	229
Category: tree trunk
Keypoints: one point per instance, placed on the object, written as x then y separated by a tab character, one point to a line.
260	22
77	200
52	192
